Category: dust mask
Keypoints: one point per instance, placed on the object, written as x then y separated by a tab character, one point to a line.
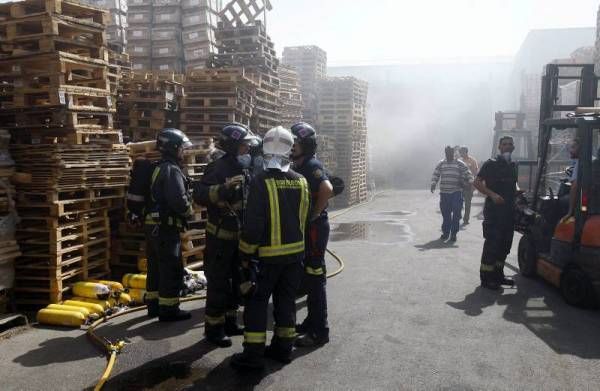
245	160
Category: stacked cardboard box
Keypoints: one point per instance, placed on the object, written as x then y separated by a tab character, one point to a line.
199	23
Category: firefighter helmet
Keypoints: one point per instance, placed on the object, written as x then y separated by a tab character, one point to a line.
232	135
277	146
170	139
306	136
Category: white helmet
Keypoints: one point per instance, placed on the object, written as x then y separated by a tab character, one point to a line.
277	145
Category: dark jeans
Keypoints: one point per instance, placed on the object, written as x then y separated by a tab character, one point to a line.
451	207
468	196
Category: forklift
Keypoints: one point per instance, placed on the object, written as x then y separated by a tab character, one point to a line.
566	253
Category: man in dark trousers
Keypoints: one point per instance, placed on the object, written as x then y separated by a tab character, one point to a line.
497	179
315	328
222	191
453	175
173	206
272	242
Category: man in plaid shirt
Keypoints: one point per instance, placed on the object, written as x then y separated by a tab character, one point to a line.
453	175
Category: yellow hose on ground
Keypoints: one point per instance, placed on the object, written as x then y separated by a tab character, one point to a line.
113	349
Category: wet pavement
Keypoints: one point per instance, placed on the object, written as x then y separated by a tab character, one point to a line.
406	313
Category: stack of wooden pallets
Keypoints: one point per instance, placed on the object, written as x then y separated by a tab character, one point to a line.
64	205
250	47
54	69
213	98
290	96
151	100
342	116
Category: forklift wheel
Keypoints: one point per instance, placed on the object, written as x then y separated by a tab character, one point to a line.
576	287
527	257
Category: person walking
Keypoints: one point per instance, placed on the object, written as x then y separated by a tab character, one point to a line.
469	188
497	180
453	175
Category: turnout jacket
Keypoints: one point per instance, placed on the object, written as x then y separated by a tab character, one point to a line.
276	217
172	202
224	206
314	172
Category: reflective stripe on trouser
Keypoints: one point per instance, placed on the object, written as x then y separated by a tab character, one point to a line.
153	272
281	281
221	263
315	277
498	231
170	266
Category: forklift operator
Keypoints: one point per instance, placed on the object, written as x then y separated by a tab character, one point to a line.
497	179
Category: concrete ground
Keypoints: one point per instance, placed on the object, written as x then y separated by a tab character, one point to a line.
406	313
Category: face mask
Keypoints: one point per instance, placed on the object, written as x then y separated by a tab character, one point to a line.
245	160
507	156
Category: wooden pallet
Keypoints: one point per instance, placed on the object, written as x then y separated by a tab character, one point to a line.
70	97
67	136
69	8
55	117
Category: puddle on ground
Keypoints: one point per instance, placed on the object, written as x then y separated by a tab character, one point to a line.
385	232
397	213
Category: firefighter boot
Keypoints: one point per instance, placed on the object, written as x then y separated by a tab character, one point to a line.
249	359
172	314
215	334
277	352
152	306
231	327
312	340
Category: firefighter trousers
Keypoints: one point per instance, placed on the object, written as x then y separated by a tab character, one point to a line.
171	269
221	267
498	231
315	278
153	265
281	281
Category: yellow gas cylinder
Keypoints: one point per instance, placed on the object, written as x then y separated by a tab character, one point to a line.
93	308
137	295
136	281
124	299
114	286
142	264
92	290
84	311
105	304
60	317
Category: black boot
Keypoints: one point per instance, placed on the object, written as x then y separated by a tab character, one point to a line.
215	334
507	282
248	361
172	314
231	327
302	328
277	353
152	306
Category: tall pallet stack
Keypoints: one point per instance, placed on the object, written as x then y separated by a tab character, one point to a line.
290	96
250	47
59	109
151	101
199	22
326	152
342	115
54	71
167	35
64	207
311	64
129	249
213	98
116	30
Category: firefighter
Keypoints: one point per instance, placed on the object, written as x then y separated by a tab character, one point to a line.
139	204
273	240
222	191
497	179
315	328
173	205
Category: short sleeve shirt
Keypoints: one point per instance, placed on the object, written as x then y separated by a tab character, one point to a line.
500	176
314	172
